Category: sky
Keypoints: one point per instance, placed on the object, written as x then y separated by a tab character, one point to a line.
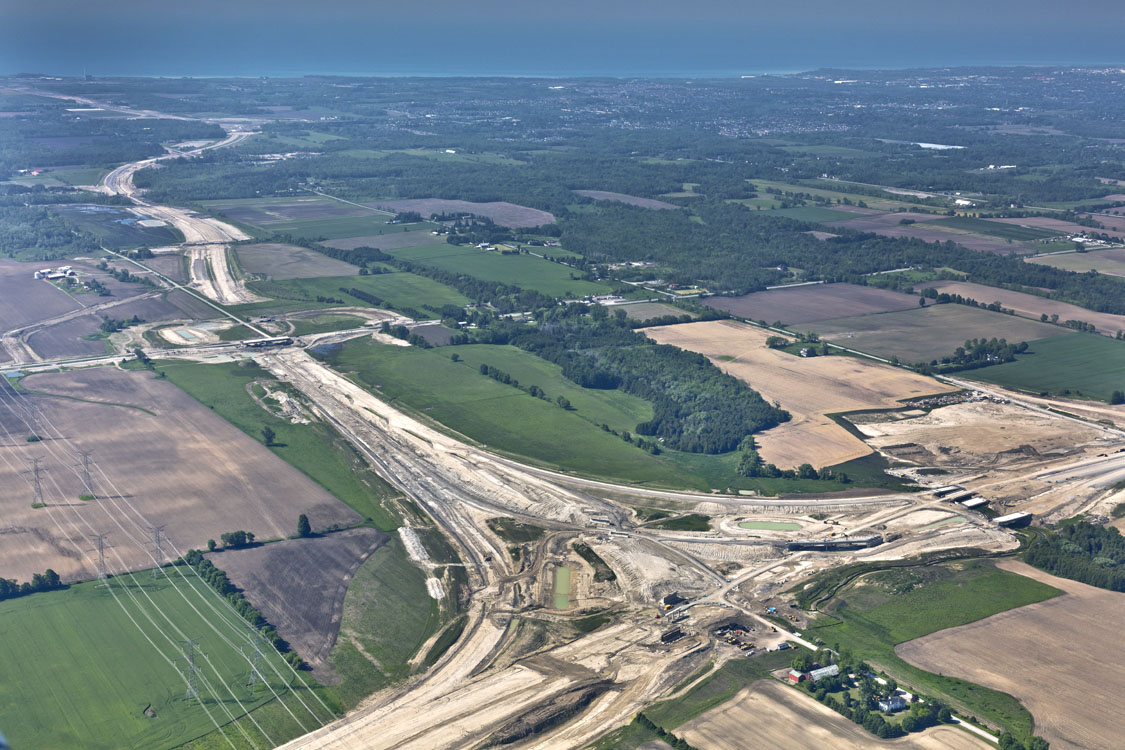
539	37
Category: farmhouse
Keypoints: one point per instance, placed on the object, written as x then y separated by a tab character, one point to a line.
892	703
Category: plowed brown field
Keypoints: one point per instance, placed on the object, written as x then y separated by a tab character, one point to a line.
808	388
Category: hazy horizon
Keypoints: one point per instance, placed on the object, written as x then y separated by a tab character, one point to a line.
626	38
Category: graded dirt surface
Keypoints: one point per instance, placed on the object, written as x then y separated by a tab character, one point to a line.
770	714
631	200
277	261
932	332
503	213
977	434
807	304
1030	306
1060	657
808	388
299	585
172	462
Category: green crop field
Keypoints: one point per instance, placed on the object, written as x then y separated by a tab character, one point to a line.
1111	262
79	668
507	419
456	395
325	323
994	228
900	604
1079	365
117	228
526	271
389	613
399	290
315	449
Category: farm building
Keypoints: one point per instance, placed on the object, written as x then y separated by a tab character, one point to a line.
1014	520
819	674
892	703
795	676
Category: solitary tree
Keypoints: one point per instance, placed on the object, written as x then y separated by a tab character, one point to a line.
303	528
268	435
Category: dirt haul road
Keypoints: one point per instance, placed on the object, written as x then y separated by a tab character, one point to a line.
206	239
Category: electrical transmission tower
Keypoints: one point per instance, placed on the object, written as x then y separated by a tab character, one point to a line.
99	539
36	479
87	480
256	663
158	539
192	676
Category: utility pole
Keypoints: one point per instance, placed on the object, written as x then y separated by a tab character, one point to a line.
256	664
157	542
192	677
99	539
37	483
87	480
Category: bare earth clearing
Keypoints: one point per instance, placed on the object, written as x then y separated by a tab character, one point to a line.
1112	223
299	585
631	200
976	434
807	388
648	310
1061	658
1030	306
174	463
503	213
769	714
807	304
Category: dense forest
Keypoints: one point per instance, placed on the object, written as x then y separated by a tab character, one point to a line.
697	408
1082	552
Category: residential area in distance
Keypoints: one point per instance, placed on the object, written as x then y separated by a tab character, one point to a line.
563	412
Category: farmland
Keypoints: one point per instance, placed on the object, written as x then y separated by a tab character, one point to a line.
923	334
299	586
314	449
117	228
809	388
808	304
1054	656
121	644
1110	262
503	213
156	470
1032	306
1055	225
24	300
456	395
649	310
782	716
1003	230
1078	364
528	271
821	190
388	241
277	262
399	290
631	200
880	610
386	617
932	228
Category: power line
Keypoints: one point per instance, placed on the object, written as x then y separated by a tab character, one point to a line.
36	480
192	676
99	539
157	542
256	663
87	480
